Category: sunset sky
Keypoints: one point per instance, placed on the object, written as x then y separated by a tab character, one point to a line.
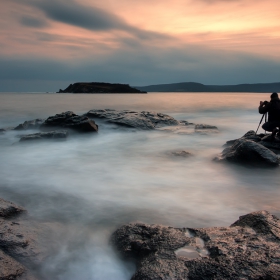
47	44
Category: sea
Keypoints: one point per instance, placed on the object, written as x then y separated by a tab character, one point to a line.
91	184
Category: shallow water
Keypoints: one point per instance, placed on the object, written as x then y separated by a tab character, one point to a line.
91	184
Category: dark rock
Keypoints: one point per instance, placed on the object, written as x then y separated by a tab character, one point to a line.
273	146
9	209
185	123
184	154
248	249
50	135
70	120
33	124
205	126
100	88
250	135
142	120
205	129
247	151
3	130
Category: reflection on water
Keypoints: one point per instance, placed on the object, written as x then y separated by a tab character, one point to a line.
91	184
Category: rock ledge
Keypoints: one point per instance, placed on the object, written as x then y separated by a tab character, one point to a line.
248	249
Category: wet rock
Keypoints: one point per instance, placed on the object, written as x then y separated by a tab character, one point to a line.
141	120
273	146
184	154
3	130
205	129
205	126
9	209
19	243
250	135
50	135
10	268
185	123
33	124
248	249
70	120
250	152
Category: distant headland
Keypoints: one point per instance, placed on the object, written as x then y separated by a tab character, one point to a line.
198	87
95	87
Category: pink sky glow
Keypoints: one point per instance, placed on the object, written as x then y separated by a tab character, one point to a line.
237	34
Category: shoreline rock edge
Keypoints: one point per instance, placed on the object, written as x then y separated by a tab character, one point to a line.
248	249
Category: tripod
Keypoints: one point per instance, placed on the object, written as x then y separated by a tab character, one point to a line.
265	114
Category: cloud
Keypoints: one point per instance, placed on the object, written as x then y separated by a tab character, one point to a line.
33	22
74	14
87	17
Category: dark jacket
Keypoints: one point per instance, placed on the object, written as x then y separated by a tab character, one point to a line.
273	109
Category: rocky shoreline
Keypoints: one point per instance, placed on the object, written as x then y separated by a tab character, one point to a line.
248	249
250	149
61	125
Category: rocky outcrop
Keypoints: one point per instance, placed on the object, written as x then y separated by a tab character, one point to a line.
248	249
69	120
251	149
33	124
249	152
9	209
50	135
19	246
141	120
100	88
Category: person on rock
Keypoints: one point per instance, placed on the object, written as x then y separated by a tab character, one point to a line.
273	110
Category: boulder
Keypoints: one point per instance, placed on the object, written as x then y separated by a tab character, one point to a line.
205	126
142	120
273	146
248	249
20	247
249	152
205	129
50	135
250	135
33	124
70	120
9	209
184	154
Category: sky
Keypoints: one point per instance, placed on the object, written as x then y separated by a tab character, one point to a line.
47	44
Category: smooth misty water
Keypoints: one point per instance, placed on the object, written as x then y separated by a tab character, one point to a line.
91	184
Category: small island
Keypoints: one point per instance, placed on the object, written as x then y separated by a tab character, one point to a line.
95	87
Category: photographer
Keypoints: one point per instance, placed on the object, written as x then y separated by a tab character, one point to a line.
273	110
